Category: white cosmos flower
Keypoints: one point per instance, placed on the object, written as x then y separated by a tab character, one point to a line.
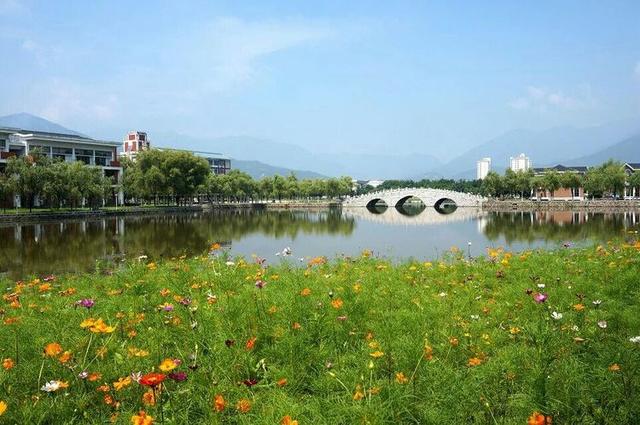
475	317
556	316
596	302
635	339
575	328
541	285
443	294
602	324
51	386
230	263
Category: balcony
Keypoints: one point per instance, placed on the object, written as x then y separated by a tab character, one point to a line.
7	155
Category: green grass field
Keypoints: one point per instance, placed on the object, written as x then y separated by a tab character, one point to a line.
348	341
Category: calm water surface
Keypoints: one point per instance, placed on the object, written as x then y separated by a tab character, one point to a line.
81	245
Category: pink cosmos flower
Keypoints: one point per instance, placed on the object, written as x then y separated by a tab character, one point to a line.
540	297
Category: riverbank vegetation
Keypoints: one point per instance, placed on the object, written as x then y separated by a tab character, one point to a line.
535	337
606	180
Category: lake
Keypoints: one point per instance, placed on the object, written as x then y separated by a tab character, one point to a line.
82	244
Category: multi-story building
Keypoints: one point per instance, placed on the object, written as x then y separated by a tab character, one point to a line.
482	168
631	192
519	163
64	147
138	141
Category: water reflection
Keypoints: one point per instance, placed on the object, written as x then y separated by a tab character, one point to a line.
410	231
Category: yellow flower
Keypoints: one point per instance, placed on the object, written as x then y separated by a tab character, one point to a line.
3	407
514	330
358	394
376	354
578	307
167	365
149	398
305	292
121	383
474	361
142	419
401	379
614	367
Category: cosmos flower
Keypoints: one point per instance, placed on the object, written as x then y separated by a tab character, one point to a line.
152	379
53	386
602	324
121	383
219	403
635	339
556	316
540	297
168	365
52	349
243	405
260	283
178	376
86	303
288	421
141	419
538	419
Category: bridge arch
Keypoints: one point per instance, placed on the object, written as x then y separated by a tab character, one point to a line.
445	206
377	206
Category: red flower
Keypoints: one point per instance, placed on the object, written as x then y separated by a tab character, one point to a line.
152	379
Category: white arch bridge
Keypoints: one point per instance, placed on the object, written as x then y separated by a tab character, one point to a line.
430	197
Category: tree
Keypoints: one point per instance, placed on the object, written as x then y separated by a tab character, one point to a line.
7	191
571	181
492	184
614	177
29	174
634	182
551	182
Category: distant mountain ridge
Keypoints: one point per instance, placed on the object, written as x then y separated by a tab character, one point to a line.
627	150
25	121
257	170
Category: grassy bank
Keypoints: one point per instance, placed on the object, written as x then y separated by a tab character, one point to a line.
350	341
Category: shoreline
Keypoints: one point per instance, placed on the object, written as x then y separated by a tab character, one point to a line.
597	205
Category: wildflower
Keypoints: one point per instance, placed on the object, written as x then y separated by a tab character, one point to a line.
152	379
541	285
121	383
3	407
149	398
165	292
358	394
635	339
83	375
218	403
136	376
168	365
427	351
442	294
243	405
137	352
288	421
377	354
142	419
7	364
578	307
614	367
341	318
52	349
474	361
94	376
539	419
86	303
230	263
103	388
53	386
602	324
251	343
178	376
337	303
96	326
556	316
165	307
65	357
282	382
475	317
305	292
453	341
401	379
596	303
540	297
296	326
514	330
216	246
250	382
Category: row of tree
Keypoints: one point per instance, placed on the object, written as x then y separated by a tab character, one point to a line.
469	186
53	184
609	179
161	176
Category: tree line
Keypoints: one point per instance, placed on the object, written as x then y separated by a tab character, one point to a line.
608	179
178	176
52	183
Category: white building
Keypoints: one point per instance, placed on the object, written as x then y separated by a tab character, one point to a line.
138	141
520	163
64	147
483	168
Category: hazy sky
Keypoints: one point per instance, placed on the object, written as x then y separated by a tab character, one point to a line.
353	76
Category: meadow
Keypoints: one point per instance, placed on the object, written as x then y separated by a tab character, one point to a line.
530	338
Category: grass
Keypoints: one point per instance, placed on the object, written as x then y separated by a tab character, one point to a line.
348	341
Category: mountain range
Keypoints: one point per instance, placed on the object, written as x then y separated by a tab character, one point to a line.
593	145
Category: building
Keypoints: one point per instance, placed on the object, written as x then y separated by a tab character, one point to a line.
563	193
519	163
630	168
482	168
138	141
64	147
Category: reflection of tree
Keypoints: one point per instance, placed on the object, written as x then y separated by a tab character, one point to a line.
76	245
554	226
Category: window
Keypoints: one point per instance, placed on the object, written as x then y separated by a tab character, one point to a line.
84	155
64	154
142	137
3	144
103	158
132	137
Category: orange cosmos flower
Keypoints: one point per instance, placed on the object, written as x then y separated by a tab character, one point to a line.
142	419
305	292
358	394
149	398
152	379
288	421
282	382
3	407
578	307
52	349
65	357
614	367
251	343
7	364
243	405
539	419
296	326
474	361
453	341
337	303
218	403
427	352
94	376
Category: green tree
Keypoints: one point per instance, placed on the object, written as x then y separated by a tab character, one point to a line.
571	180
551	182
492	185
634	182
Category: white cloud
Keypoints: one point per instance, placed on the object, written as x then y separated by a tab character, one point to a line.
543	99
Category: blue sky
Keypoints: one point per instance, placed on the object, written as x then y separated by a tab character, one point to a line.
336	76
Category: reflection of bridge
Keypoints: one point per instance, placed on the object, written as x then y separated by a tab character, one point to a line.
430	197
428	216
